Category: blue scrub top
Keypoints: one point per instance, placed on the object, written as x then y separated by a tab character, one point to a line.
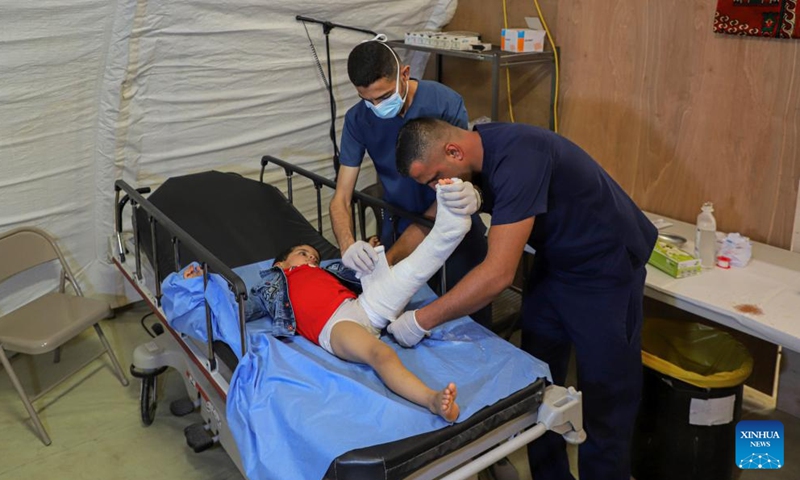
583	217
365	132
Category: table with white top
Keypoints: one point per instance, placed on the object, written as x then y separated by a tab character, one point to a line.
770	283
761	299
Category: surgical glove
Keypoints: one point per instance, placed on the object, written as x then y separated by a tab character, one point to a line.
460	197
406	330
360	257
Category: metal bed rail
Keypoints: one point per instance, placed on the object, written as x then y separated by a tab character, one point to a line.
360	199
179	238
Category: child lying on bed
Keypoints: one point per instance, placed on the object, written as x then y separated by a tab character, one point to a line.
301	296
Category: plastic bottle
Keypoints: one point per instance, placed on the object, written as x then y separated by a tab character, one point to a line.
705	243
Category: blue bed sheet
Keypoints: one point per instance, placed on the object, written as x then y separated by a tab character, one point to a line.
293	408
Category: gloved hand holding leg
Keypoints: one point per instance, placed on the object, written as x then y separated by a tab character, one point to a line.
361	257
406	330
460	197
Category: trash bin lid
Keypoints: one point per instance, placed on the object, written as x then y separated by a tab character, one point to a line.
694	353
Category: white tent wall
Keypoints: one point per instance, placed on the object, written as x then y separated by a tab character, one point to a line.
52	54
144	90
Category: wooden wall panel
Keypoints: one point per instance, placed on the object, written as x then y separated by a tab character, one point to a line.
677	114
680	115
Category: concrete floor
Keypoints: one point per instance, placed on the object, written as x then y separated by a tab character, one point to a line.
96	430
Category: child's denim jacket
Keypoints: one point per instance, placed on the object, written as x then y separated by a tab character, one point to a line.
271	297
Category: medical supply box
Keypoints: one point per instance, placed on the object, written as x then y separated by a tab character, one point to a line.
464	41
674	261
522	40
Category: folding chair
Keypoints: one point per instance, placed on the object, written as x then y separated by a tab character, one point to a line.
48	322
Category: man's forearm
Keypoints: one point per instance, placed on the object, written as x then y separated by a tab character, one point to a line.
476	290
342	221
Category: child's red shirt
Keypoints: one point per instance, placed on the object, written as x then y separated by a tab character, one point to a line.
315	295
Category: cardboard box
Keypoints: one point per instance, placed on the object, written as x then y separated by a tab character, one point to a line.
674	261
522	40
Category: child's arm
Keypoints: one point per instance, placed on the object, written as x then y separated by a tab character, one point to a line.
255	306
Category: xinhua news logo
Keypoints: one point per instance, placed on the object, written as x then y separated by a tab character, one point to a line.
759	444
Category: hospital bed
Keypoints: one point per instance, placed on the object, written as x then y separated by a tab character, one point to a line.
180	223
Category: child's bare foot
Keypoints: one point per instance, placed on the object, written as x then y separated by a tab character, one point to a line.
444	403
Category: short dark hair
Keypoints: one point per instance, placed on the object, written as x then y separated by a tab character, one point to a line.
371	61
414	140
285	254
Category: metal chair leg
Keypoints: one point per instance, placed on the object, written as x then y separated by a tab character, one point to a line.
24	397
118	370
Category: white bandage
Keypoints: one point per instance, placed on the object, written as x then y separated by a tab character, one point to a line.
387	290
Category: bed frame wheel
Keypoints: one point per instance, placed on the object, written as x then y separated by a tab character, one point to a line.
148	394
148	400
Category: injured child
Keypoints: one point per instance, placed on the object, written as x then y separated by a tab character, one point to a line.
299	295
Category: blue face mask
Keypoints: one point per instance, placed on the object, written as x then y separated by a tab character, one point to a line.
390	107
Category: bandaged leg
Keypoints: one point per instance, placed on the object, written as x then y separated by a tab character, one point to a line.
387	290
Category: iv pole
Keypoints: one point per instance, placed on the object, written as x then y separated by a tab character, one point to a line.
326	29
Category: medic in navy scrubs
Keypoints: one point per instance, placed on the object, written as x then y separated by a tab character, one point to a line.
390	98
586	284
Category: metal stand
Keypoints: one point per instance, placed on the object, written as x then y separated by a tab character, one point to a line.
326	29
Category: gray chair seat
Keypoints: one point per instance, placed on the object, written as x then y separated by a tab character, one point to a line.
49	321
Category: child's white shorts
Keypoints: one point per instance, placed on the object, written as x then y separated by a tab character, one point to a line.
349	311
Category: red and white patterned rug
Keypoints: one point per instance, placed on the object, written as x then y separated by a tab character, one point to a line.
760	18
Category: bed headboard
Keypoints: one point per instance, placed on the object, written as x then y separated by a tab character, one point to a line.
241	221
